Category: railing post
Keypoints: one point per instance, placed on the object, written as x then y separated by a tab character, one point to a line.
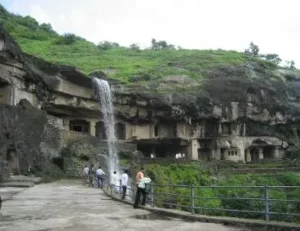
132	192
193	199
120	188
267	206
152	195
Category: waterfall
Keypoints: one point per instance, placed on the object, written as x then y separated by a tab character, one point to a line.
104	96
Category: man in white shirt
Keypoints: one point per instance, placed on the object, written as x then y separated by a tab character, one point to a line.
100	177
86	175
124	182
114	182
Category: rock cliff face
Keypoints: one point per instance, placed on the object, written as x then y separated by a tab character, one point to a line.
265	98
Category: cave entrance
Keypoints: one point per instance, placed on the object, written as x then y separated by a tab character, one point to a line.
4	92
160	150
100	130
12	158
268	152
120	131
204	152
58	161
254	155
79	126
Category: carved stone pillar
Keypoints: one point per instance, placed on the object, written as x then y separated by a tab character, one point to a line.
248	155
261	153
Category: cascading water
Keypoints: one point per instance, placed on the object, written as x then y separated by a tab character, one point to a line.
105	99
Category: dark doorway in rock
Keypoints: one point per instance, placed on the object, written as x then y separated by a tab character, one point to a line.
79	126
58	161
268	152
13	161
204	152
161	150
120	131
254	155
4	93
156	130
84	157
100	130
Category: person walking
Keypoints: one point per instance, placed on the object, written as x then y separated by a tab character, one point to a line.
85	175
91	175
100	175
124	182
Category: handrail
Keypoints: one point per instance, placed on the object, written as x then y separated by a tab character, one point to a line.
190	200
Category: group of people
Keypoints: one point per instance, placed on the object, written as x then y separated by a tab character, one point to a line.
179	156
117	184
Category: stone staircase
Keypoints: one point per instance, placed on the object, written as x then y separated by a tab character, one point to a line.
20	181
71	168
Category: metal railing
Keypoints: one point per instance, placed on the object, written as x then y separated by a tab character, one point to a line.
280	203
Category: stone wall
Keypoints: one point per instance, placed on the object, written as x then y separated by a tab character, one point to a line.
69	137
4	170
25	132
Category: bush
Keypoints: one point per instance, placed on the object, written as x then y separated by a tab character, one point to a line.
67	39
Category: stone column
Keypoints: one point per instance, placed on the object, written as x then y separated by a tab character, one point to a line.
93	128
248	155
261	153
66	124
194	149
219	129
276	153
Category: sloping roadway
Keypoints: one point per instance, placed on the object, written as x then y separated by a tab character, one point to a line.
68	205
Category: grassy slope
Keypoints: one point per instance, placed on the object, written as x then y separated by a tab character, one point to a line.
126	62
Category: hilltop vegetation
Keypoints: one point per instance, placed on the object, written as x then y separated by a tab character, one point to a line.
127	64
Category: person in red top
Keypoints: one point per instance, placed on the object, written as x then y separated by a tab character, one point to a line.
139	175
139	191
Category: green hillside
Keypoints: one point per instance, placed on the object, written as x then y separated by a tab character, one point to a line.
122	63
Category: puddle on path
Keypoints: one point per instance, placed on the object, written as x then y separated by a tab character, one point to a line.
151	216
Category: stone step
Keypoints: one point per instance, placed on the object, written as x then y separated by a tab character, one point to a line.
23	184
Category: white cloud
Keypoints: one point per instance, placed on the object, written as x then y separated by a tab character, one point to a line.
200	24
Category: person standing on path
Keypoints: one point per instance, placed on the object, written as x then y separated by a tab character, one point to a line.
100	177
141	189
85	175
124	182
139	176
91	175
114	182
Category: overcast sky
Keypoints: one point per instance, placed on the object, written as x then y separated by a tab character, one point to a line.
274	25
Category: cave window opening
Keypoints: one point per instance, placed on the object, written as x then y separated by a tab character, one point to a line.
84	158
175	130
156	130
120	131
226	129
100	130
79	126
251	97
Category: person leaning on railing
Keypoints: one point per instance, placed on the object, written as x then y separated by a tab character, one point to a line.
141	189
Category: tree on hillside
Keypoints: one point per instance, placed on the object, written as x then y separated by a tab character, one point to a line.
274	58
3	10
68	39
253	50
47	27
106	45
290	64
161	45
135	47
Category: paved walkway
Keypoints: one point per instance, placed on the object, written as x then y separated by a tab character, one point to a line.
66	205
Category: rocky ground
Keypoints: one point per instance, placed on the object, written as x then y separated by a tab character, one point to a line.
67	205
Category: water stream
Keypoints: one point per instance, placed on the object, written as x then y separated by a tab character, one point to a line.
104	96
